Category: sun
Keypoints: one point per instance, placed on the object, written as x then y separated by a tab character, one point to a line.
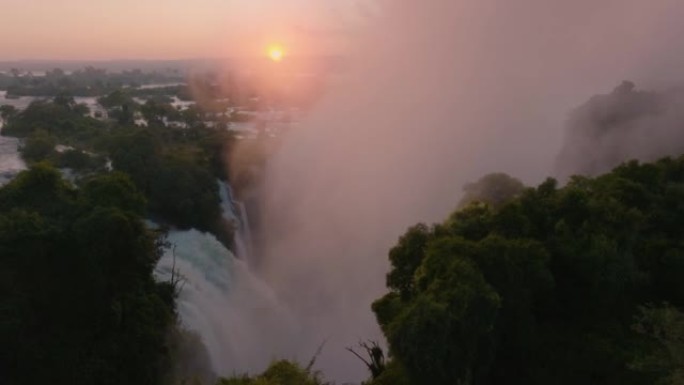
275	52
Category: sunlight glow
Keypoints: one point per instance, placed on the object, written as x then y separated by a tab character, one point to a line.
276	52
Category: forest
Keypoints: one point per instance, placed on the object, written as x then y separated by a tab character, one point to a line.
554	284
175	168
89	81
79	304
495	291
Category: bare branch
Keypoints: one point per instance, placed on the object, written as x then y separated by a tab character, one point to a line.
312	362
368	364
376	365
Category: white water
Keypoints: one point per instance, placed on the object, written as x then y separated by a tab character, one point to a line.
19	103
240	320
233	311
159	85
245	234
234	213
10	161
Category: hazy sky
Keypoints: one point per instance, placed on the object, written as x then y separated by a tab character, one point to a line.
156	29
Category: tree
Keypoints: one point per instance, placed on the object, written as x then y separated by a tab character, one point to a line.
543	286
61	118
113	190
79	161
665	324
442	336
493	189
278	373
77	295
38	147
374	357
406	257
7	112
120	106
174	178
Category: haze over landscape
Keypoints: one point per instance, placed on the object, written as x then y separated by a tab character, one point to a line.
175	29
252	164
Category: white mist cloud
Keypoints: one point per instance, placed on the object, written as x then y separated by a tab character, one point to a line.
439	93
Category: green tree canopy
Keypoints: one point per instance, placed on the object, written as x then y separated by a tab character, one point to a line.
544	285
278	373
78	303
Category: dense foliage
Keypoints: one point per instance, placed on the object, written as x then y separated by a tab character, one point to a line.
494	189
78	302
89	81
60	117
278	373
174	170
175	167
574	285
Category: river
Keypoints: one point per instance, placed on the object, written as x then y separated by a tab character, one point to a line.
10	161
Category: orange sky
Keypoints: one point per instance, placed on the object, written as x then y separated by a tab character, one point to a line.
170	29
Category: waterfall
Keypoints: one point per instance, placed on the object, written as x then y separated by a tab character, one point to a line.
240	320
245	233
238	317
234	213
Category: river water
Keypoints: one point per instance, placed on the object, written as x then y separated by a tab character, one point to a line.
10	161
239	318
19	103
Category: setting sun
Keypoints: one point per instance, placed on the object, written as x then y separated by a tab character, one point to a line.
276	53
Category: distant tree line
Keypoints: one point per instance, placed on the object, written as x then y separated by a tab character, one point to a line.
89	81
175	167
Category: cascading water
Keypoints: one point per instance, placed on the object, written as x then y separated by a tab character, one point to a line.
234	213
245	233
221	300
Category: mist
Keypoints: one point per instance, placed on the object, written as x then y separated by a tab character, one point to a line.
626	124
439	92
